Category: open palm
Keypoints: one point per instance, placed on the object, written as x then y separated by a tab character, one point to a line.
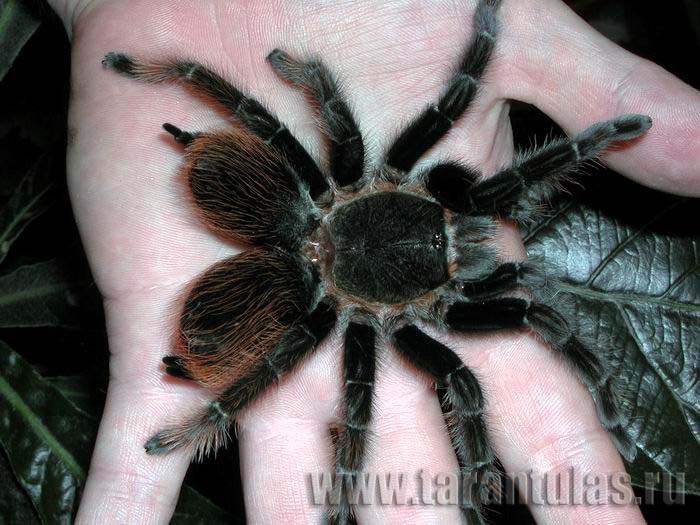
145	242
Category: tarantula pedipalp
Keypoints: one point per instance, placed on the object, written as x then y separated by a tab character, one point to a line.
375	250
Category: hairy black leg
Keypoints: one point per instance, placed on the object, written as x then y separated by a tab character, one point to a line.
451	183
508	312
208	430
504	278
465	416
534	177
436	120
245	109
359	365
487	315
592	369
347	149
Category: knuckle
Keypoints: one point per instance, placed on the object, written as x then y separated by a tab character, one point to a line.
571	449
127	497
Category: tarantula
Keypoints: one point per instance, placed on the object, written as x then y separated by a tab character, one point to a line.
374	250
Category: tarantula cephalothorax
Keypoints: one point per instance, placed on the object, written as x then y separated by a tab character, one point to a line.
373	250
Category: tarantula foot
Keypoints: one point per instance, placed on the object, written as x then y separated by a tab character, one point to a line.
278	57
175	366
119	62
181	137
630	127
205	432
157	444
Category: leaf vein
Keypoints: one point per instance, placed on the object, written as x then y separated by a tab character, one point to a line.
44	433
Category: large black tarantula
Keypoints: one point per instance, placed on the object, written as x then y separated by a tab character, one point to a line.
374	250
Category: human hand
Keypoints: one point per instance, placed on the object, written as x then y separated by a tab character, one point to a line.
145	243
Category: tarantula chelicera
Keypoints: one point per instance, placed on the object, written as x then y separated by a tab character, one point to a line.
375	250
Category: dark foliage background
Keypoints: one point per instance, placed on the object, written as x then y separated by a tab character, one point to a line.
53	349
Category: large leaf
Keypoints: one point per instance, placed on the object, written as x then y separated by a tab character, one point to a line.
44	294
15	504
193	508
30	198
17	25
79	391
48	440
45	438
628	259
693	9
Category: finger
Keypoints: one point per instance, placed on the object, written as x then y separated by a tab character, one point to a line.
409	443
124	484
284	440
554	60
542	422
287	455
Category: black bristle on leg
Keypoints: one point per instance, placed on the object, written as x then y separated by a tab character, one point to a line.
464	413
337	122
359	365
433	123
207	431
248	111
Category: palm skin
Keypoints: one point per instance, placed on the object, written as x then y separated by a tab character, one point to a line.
145	242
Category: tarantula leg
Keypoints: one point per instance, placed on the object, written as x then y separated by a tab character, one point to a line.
508	312
207	430
450	184
245	109
487	315
359	365
436	120
347	149
181	137
465	416
247	190
516	191
595	373
534	177
504	278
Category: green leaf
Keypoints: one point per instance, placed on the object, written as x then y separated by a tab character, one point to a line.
631	270
15	504
78	391
48	440
693	9
43	294
193	508
17	25
30	198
